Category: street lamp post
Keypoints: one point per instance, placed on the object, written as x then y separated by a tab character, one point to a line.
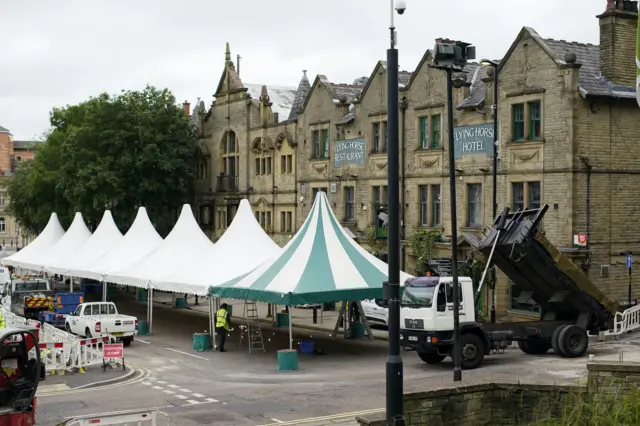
494	66
391	288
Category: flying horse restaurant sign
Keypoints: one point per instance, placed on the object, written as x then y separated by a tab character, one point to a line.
350	151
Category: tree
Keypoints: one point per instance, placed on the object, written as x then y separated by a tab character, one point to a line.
422	242
376	245
136	148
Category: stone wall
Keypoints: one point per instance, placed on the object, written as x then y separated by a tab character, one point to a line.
515	404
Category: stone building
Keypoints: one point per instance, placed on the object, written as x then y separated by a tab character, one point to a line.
12	153
568	123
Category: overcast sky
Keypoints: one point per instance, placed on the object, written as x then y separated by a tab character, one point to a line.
61	52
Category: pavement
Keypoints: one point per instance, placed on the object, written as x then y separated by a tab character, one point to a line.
94	376
238	388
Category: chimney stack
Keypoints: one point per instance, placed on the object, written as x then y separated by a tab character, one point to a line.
187	108
618	32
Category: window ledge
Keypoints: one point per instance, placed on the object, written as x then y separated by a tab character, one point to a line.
435	149
378	153
471	228
432	227
318	159
526	142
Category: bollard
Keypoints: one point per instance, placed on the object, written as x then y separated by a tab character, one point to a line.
315	315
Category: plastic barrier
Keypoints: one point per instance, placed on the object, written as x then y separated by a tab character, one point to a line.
142	417
87	352
55	357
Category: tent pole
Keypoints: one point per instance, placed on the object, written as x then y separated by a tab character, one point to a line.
104	291
70	283
290	330
365	321
150	309
211	323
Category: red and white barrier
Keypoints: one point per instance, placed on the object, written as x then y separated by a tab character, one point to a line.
54	356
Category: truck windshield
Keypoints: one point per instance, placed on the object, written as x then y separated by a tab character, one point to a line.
418	296
31	286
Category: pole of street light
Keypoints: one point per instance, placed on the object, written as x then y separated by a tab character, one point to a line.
494	66
457	370
394	365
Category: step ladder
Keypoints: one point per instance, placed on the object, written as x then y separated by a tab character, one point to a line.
252	324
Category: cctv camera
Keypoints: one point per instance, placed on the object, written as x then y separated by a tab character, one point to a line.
401	6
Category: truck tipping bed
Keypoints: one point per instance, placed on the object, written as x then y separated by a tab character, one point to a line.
552	280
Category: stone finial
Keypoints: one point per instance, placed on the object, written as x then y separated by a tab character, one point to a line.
491	71
570	58
264	95
227	54
342	98
304	73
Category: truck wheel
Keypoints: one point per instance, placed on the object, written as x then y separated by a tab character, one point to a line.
573	341
127	342
555	339
473	351
431	357
87	333
534	347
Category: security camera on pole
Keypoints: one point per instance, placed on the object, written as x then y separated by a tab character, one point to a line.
451	57
391	288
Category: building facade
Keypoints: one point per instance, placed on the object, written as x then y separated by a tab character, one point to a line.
12	153
568	127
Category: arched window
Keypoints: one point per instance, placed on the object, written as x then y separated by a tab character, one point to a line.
3	225
230	154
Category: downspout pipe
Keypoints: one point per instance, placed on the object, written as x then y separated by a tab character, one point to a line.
403	249
589	167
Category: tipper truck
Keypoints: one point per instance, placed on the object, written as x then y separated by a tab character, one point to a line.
571	306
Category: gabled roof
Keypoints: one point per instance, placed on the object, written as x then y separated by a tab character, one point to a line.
230	80
426	58
403	79
304	87
4	130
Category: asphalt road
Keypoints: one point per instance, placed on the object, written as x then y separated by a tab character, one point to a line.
238	388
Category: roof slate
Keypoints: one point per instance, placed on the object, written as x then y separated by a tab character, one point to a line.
301	94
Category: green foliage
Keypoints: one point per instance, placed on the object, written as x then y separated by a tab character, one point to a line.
422	243
136	148
375	244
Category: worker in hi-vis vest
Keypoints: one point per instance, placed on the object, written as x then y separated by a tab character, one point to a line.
222	326
3	322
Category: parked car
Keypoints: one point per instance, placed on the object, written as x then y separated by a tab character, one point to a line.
101	319
376	312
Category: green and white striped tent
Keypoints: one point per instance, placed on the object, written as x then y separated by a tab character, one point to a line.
320	264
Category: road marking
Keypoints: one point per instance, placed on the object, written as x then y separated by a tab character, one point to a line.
169	392
184	390
215	400
325	418
157	387
173	386
181	397
198	395
162	382
192	402
276	420
143	341
147	383
186	353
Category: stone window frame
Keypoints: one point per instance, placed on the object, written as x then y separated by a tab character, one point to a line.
286	221
383	131
201	173
526	181
347	202
429	184
3	225
315	189
264	218
221	218
3	199
263	165
465	205
428	119
286	164
383	195
318	133
227	154
526	101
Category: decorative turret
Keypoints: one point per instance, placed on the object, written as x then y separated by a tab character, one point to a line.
301	94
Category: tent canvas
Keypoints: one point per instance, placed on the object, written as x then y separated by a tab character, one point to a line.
107	235
320	264
184	243
242	248
141	239
71	241
41	245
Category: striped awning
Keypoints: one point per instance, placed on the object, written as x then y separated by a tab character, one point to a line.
320	264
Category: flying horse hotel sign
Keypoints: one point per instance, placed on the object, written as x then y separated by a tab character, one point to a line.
476	139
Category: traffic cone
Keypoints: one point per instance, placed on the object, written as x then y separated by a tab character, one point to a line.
81	370
53	372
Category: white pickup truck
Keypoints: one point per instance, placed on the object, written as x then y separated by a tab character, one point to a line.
101	319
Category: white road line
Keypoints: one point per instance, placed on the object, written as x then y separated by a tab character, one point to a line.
184	390
276	420
168	392
198	395
143	341
192	402
173	386
181	397
186	353
147	383
162	382
215	400
158	387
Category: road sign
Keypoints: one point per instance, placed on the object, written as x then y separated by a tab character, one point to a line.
629	260
113	350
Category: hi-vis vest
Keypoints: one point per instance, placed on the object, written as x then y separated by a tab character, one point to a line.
3	323
221	319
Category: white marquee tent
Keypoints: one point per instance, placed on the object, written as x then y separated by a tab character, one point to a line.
107	235
138	242
242	247
185	242
40	246
73	239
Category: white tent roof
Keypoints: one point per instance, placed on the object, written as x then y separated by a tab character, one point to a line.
73	239
242	247
107	235
141	239
185	242
40	246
